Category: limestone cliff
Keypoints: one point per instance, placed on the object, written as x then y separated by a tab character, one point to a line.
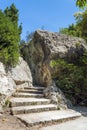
14	78
45	47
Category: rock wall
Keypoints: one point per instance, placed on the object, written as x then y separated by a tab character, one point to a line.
13	79
57	97
7	84
45	47
21	73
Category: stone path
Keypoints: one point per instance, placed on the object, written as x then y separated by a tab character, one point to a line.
78	124
30	106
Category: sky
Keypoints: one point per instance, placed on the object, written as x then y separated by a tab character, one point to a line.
49	15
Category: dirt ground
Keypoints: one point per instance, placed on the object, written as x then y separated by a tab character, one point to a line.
9	122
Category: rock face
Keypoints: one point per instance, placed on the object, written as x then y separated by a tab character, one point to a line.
7	85
57	97
21	73
45	47
14	78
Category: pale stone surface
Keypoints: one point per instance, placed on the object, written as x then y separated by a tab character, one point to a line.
7	85
28	100
4	84
21	94
57	97
21	73
78	124
50	116
9	79
2	69
25	84
33	108
1	110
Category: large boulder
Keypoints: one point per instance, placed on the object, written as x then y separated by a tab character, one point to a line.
57	97
21	73
7	85
47	46
14	78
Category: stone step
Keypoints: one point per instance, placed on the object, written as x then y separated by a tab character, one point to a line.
32	109
14	102
47	118
35	88
30	91
28	95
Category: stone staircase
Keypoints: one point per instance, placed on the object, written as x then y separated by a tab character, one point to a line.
31	107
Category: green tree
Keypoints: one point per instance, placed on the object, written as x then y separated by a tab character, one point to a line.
12	13
9	36
81	23
80	28
81	3
71	78
72	30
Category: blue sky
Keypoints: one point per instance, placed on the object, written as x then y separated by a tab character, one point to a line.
36	14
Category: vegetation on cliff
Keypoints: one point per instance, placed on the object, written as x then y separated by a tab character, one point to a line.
79	29
71	77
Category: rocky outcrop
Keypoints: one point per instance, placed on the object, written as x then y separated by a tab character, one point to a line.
45	47
21	73
14	78
7	85
57	97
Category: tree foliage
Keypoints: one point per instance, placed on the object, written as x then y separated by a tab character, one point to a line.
81	3
9	36
71	78
72	30
80	28
12	13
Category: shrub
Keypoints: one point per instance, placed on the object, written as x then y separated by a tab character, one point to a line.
71	79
